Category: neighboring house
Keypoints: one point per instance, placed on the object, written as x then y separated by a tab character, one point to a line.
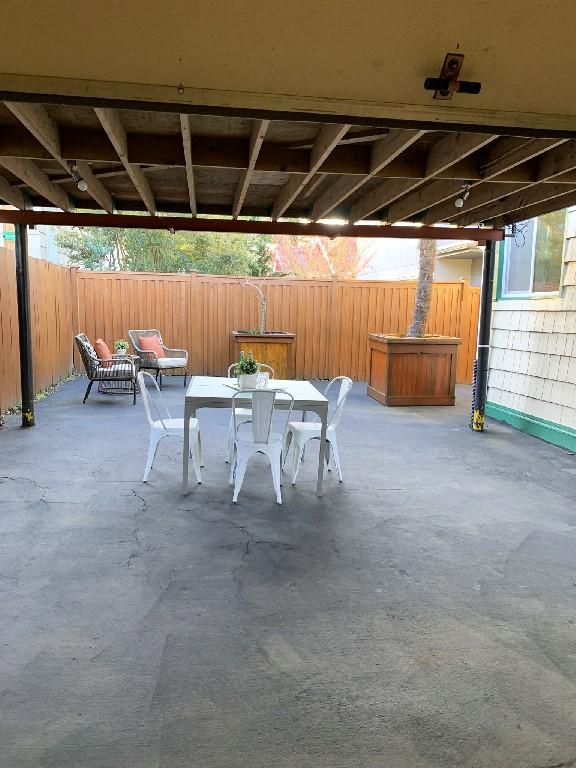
41	242
532	378
398	260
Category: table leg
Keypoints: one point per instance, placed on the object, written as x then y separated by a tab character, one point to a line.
322	453
188	411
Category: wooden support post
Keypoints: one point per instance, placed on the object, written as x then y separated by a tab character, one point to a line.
24	325
481	378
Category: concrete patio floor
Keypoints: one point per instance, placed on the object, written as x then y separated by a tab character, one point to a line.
421	614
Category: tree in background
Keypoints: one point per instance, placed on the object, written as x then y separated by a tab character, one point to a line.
424	286
142	250
319	257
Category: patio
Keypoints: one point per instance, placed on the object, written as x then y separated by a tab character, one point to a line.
421	614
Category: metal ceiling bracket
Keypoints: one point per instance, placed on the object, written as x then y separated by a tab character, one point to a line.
447	83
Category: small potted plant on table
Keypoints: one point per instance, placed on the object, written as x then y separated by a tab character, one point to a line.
247	371
121	347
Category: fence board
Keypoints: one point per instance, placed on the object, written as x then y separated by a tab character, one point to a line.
53	316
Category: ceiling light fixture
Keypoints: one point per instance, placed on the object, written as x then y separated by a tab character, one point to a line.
80	183
459	202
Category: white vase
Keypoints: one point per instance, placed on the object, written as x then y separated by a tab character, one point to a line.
248	380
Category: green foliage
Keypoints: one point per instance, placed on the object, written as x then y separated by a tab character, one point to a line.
247	365
140	250
121	344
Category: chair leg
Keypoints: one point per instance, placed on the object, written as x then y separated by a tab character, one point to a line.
336	457
134	388
185	377
160	376
230	441
241	463
87	392
232	465
298	455
275	467
200	459
154	440
287	445
196	458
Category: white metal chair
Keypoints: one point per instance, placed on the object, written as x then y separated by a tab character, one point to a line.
242	414
163	425
300	432
255	436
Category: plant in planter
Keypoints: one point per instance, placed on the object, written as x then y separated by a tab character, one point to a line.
274	348
121	346
247	370
418	368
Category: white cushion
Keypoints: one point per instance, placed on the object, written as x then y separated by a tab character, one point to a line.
115	370
172	362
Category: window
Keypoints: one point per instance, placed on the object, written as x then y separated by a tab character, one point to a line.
533	257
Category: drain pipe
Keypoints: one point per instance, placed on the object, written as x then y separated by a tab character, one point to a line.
481	363
24	325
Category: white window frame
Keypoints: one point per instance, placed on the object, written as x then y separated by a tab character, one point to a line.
507	294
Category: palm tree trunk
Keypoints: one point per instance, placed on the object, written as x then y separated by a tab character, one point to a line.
427	250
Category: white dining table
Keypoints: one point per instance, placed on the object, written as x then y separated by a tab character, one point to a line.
217	392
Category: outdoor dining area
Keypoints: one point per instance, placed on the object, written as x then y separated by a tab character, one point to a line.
261	407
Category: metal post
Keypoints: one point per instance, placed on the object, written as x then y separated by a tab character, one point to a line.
24	326
481	377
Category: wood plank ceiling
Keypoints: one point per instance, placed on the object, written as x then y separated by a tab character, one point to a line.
163	162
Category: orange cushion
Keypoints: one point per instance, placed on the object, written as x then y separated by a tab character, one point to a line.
151	344
102	351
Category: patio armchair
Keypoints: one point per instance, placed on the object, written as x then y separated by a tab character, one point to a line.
119	369
162	358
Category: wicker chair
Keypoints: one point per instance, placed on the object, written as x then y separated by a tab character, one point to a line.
175	358
120	369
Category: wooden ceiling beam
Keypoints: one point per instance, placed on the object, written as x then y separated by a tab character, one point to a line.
197	224
481	195
383	152
558	161
93	145
454	147
445	153
504	156
536	194
39	123
540	208
326	140
186	131
34	177
11	194
112	124
511	151
259	129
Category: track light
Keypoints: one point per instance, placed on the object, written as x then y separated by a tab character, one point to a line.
82	186
459	202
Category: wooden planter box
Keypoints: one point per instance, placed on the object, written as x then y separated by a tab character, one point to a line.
406	371
275	349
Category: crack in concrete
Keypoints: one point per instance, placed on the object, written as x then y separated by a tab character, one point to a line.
135	533
250	537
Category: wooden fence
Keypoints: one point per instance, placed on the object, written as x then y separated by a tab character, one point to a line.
331	319
54	306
